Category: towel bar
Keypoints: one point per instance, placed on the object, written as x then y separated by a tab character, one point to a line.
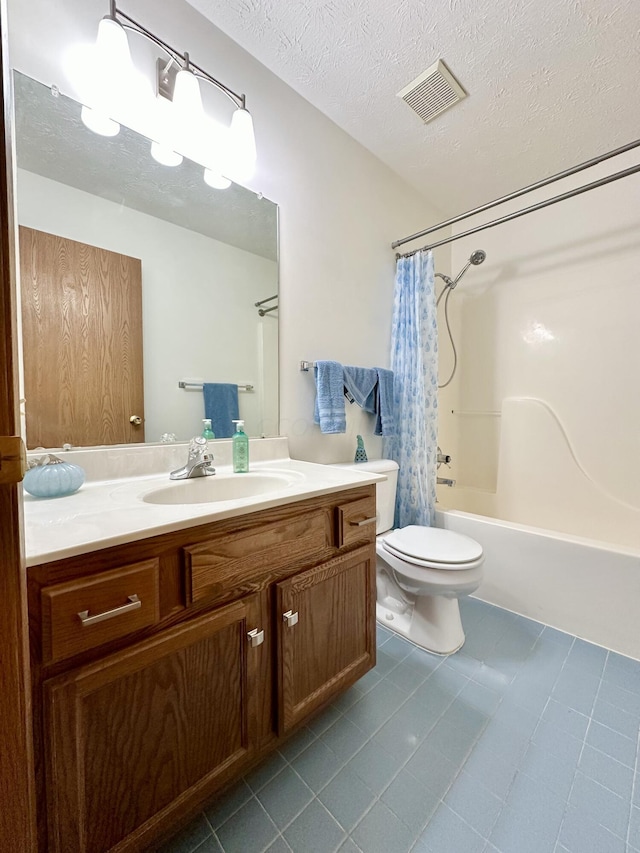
183	384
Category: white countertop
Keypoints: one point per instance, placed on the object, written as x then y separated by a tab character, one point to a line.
106	512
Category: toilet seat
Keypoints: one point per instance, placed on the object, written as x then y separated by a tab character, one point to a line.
433	548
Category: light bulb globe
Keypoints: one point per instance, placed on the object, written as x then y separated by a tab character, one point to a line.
242	146
165	156
98	122
113	45
186	94
215	180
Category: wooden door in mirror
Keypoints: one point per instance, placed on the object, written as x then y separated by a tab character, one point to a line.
82	342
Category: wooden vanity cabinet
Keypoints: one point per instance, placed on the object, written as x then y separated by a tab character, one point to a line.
248	626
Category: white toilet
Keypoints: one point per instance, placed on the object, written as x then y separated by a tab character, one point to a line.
421	573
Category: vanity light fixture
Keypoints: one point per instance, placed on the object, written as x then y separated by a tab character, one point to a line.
113	92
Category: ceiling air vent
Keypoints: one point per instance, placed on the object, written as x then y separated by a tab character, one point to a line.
433	92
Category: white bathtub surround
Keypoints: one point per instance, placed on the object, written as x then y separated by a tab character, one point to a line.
581	586
544	429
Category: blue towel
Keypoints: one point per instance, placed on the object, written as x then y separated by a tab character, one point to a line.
385	419
329	407
221	405
361	382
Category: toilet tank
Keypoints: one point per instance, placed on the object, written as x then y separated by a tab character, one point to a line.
385	490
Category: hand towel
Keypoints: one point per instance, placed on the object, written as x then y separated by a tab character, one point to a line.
329	406
360	382
385	414
221	405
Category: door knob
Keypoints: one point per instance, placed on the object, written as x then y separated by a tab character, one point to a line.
290	618
136	420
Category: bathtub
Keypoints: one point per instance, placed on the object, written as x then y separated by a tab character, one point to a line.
583	586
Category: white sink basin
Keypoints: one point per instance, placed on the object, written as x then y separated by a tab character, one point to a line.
219	487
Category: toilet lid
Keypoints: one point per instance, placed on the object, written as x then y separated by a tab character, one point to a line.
433	545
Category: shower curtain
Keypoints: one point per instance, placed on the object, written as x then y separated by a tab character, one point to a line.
414	361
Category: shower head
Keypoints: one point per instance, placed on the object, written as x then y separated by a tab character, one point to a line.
476	258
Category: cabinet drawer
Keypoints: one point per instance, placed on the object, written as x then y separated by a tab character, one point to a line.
87	612
356	522
234	564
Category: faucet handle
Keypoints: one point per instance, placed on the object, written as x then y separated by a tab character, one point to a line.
198	446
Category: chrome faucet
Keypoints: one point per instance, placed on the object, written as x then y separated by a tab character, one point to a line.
445	481
198	462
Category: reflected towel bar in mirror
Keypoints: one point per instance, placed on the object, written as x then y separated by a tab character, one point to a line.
183	384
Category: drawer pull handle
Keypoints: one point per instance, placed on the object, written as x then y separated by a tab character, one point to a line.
255	637
290	618
134	604
363	522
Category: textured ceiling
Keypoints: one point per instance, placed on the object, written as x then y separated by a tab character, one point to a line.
52	141
551	82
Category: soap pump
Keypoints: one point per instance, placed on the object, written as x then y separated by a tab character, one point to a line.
240	443
207	432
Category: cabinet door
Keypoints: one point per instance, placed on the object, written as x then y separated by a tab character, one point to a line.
133	735
326	633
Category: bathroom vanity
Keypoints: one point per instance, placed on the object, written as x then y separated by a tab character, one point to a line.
164	666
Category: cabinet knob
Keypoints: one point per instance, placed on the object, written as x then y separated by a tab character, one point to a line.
136	420
290	618
255	637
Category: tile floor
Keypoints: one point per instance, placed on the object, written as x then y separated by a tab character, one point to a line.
525	741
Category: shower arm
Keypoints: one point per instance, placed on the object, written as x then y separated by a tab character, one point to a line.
448	281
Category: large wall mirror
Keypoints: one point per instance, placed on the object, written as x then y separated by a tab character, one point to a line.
138	284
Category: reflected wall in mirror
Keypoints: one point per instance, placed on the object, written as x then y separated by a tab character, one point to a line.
103	206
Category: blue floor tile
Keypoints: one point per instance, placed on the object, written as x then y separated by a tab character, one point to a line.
581	834
607	771
524	742
250	830
601	804
285	797
474	803
409	800
549	769
347	798
317	765
314	831
618	746
381	830
448	831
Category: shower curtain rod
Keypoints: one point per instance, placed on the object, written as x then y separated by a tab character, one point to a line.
578	191
543	183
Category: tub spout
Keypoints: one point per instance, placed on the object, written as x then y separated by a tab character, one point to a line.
445	481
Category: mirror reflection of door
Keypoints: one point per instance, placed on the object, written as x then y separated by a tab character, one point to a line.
82	342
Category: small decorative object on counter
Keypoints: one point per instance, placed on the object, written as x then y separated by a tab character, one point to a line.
168	437
51	477
361	453
240	442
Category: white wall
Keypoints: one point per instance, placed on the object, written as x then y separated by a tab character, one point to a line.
196	293
340	208
548	337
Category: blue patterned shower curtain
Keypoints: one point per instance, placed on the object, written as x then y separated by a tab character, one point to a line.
414	361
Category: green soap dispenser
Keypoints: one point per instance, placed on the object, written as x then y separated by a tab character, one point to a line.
240	442
207	432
